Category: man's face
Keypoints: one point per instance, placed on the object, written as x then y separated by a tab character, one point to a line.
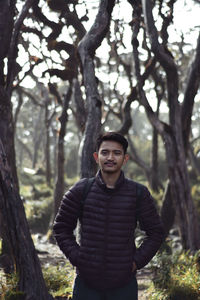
110	157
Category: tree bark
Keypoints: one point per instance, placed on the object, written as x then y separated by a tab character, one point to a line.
15	233
37	137
86	50
47	119
47	144
59	189
80	114
7	12
168	211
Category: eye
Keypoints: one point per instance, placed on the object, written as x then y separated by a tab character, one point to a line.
104	152
117	152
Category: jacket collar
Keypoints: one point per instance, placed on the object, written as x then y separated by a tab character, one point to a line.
102	184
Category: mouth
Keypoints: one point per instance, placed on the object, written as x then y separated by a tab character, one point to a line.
110	164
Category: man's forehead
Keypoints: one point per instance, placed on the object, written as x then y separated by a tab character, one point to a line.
110	145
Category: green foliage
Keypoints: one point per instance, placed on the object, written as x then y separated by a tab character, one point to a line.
59	280
176	277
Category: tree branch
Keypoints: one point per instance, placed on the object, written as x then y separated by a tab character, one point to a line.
13	44
153	118
166	60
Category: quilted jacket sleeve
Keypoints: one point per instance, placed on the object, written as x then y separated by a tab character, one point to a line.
66	221
150	223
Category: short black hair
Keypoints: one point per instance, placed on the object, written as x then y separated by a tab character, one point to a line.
112	136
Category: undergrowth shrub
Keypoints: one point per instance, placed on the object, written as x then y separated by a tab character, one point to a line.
14	295
176	276
59	280
9	289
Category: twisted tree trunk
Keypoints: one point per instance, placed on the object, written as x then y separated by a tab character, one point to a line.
59	189
86	49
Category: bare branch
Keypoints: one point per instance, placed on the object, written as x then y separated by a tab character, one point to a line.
127	120
166	60
13	44
30	96
153	118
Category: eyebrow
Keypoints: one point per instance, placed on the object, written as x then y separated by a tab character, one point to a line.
105	149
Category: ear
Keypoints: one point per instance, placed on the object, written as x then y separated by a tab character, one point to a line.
126	158
95	155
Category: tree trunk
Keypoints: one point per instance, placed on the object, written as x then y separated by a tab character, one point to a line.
37	137
80	114
155	183
59	189
15	233
86	49
47	143
172	134
181	195
7	132
168	211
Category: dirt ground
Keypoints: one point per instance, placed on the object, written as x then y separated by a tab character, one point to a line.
144	279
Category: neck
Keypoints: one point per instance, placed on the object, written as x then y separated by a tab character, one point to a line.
110	179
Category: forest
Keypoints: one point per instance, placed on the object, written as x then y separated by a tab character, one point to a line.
70	70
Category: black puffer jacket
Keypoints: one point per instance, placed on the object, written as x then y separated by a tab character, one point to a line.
107	250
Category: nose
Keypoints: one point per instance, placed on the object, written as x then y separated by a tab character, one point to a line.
110	156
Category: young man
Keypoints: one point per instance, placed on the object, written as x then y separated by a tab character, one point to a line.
107	258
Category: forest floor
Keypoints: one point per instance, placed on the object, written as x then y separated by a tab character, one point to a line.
50	255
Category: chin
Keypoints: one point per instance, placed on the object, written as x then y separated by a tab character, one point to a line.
109	171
